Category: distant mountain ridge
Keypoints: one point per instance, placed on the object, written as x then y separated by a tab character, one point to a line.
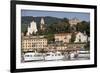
48	20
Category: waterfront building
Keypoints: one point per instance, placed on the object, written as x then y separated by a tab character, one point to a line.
32	43
81	37
63	37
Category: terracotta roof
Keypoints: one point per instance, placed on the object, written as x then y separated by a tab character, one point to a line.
62	34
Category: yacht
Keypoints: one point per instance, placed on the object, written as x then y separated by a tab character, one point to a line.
54	56
33	56
83	54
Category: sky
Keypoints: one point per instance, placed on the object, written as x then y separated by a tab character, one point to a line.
81	16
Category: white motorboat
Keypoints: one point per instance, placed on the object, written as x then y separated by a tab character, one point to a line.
33	56
54	56
83	54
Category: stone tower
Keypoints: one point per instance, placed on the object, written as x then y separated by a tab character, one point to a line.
32	28
42	24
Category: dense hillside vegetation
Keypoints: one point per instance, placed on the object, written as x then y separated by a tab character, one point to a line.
55	25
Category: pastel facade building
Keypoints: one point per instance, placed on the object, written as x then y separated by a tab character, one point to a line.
33	43
64	37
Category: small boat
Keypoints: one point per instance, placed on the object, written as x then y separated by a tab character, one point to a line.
54	56
33	56
84	54
72	56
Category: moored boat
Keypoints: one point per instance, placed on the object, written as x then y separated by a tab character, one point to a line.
54	56
33	56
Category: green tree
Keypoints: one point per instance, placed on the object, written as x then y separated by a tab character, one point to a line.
87	46
49	37
73	36
83	27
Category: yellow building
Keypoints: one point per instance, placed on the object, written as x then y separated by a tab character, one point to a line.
63	37
32	43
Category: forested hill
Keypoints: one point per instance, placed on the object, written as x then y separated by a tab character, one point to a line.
48	20
25	21
55	25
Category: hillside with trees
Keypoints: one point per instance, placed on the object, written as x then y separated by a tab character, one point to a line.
55	25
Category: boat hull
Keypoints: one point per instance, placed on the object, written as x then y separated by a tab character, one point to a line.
54	57
33	57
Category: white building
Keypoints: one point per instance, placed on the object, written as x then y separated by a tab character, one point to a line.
66	37
81	37
32	28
